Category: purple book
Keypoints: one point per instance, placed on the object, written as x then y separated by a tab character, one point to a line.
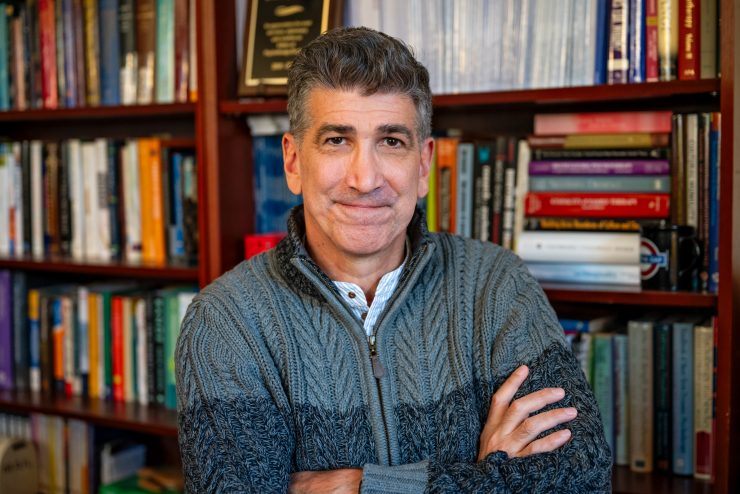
6	331
600	167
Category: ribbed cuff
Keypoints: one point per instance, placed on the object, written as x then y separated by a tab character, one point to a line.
402	479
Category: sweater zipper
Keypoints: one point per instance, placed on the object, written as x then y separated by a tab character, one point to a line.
378	369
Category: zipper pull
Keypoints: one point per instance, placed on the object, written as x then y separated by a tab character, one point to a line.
378	369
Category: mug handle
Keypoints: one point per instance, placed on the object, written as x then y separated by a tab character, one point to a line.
697	253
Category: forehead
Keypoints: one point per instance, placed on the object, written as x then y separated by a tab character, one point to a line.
352	108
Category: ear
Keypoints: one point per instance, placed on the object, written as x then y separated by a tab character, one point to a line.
291	163
425	166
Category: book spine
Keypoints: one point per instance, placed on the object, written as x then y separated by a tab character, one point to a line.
116	326
82	341
159	348
584	224
165	51
105	345
611	274
708	27
59	46
145	44
182	50
600	154
509	195
110	51
71	354
447	183
177	226
553	124
142	344
34	340
599	167
70	64
47	31
464	205
114	199
497	191
128	352
172	328
128	57
93	337
92	52
78	21
583	247
603	384
703	402
668	39
21	331
65	209
51	198
603	10
689	40
683	398
618	63
703	186
640	358
34	36
132	201
7	374
482	193
637	60
193	52
604	205
151	368
101	206
663	391
714	168
691	177
190	208
647	183
621	406
5	53
56	344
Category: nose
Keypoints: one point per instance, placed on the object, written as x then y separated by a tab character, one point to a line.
364	172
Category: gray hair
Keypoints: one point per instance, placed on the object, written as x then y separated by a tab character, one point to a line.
362	59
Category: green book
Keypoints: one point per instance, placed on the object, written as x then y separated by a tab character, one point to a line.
176	301
165	52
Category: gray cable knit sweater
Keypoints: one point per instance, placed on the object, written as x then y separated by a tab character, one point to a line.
274	376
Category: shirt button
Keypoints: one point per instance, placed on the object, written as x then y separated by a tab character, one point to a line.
351	295
364	316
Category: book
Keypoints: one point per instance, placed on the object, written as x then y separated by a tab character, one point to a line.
703	399
7	371
585	323
621	399
641	414
708	27
447	182
689	40
482	189
272	198
636	40
618	62
579	247
128	58
603	384
645	183
509	194
182	49
600	141
663	392
544	154
165	51
92	52
464	204
554	124
668	39
110	53
146	43
682	458
48	43
652	64
599	167
604	205
21	331
586	273
585	224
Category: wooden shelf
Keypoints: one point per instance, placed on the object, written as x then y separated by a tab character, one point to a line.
132	416
637	297
99	268
625	481
99	112
525	97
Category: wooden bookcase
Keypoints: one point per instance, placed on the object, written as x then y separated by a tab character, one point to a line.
216	125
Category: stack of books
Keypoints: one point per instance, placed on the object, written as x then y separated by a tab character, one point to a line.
593	179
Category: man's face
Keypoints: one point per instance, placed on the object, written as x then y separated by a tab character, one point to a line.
360	169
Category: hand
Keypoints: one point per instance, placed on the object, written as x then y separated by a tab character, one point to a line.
342	481
509	426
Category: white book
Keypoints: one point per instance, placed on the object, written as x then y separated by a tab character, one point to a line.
523	157
579	247
90	194
131	201
103	210
18	199
5	194
464	204
83	349
640	358
37	200
606	274
142	343
76	199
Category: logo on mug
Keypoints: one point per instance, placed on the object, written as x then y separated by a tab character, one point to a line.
651	259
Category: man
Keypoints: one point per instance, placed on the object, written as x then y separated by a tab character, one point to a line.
364	353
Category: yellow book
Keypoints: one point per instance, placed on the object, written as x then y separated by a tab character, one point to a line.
152	205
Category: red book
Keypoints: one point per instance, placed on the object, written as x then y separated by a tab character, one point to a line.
47	31
116	324
602	123
604	205
652	73
688	39
182	53
257	243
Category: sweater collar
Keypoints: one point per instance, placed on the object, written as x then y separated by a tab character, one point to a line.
292	248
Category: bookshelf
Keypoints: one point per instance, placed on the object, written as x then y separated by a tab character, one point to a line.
215	125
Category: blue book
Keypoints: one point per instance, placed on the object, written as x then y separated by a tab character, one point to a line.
165	52
586	324
4	59
683	398
6	331
177	222
603	11
714	167
70	62
272	198
636	36
110	53
20	330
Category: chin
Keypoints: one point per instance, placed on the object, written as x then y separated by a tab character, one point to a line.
367	241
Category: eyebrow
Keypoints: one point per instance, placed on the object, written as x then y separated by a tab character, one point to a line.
348	129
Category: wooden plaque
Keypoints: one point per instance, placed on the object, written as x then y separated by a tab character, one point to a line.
276	31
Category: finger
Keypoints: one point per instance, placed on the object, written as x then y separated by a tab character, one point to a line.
550	442
521	408
542	422
504	394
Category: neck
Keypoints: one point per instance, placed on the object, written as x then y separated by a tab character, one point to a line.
363	271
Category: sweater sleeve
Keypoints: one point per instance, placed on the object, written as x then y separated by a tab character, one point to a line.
519	327
233	435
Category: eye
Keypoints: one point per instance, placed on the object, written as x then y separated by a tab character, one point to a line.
336	141
393	142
